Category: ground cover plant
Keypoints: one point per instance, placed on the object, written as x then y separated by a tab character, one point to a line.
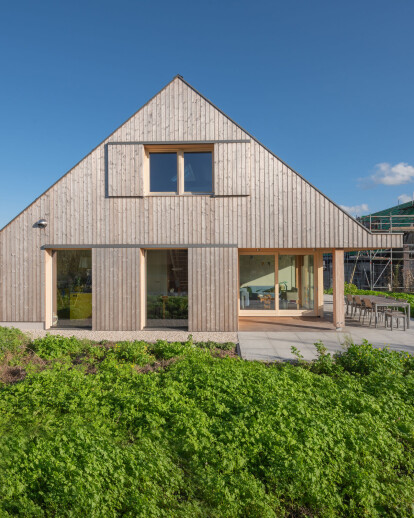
190	430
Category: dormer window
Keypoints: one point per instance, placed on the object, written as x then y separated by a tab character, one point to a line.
180	170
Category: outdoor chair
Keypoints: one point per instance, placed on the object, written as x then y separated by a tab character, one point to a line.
358	305
349	303
367	308
390	315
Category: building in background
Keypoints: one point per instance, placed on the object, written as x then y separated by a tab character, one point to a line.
386	269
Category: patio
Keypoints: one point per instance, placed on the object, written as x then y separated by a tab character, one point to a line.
273	342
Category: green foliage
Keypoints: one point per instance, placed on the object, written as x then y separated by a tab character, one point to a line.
164	350
225	346
175	307
131	352
93	435
350	288
56	346
365	359
12	339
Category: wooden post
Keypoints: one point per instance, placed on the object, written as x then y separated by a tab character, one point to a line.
338	288
142	288
48	320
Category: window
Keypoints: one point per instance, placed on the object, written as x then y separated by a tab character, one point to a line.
163	172
276	284
184	170
198	169
257	282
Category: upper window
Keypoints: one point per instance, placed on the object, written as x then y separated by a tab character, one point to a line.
198	172
184	170
163	172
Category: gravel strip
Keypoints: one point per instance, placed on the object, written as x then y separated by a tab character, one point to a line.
148	336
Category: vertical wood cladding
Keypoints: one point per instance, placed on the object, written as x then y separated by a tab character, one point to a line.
115	289
124	169
212	299
260	203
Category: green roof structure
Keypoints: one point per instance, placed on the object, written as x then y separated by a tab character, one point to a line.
399	218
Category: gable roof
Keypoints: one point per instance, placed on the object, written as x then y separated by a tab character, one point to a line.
113	138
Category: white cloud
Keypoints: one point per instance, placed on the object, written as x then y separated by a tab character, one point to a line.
356	210
404	198
387	174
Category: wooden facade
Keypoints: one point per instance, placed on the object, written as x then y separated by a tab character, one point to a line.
103	203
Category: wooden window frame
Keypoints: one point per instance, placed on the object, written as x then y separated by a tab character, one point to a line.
179	150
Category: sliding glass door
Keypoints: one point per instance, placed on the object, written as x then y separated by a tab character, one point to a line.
276	284
296	282
257	282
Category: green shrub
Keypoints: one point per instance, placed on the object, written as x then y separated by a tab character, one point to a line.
207	437
12	339
56	346
131	352
225	346
366	359
164	350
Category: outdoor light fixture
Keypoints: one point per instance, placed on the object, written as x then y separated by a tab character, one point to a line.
42	223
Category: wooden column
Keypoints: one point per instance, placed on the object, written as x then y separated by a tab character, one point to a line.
48	294
338	288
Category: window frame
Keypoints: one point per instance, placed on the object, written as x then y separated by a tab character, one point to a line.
179	150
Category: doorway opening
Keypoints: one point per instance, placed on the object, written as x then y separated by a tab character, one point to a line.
72	288
167	288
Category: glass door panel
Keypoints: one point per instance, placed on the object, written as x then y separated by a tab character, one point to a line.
296	282
72	305
167	288
308	288
257	282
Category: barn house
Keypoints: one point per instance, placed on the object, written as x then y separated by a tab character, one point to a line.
180	218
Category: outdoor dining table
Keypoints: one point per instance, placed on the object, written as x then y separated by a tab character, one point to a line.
385	302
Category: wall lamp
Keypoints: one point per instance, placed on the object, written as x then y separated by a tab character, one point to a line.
42	223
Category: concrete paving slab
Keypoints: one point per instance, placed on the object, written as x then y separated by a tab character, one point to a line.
260	347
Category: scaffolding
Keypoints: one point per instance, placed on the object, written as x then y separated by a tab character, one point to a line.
390	269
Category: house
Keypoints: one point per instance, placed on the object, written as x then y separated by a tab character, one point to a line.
179	218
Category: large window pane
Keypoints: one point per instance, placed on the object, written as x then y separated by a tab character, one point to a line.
198	172
296	282
163	172
257	282
167	288
73	290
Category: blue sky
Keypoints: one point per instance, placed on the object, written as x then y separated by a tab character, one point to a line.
328	86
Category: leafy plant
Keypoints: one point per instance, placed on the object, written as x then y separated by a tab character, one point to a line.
12	339
93	435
